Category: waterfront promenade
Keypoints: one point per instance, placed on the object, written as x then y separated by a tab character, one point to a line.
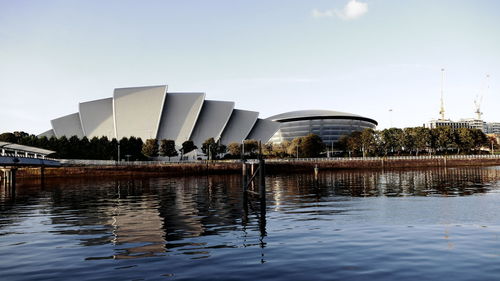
97	168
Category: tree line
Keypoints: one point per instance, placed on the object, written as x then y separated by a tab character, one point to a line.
369	142
415	141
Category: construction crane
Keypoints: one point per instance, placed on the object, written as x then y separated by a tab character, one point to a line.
441	110
479	98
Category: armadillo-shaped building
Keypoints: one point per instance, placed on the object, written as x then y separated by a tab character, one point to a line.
154	113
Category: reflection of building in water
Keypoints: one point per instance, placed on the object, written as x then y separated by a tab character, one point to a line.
193	206
137	223
359	183
439	181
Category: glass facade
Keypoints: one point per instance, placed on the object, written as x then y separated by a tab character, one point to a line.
330	130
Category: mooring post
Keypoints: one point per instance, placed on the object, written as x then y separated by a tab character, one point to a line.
42	176
13	172
252	173
7	176
262	176
262	191
244	175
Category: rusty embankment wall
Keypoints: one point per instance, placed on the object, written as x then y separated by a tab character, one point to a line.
177	169
378	163
274	167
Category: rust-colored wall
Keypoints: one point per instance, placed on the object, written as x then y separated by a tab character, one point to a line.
187	169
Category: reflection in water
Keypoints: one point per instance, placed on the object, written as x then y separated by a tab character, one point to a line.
197	216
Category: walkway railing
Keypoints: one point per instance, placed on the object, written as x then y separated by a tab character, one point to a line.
426	157
331	159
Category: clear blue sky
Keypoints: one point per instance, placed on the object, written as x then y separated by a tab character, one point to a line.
364	57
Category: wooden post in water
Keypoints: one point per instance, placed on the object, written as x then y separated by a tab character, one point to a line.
252	173
262	176
244	175
13	172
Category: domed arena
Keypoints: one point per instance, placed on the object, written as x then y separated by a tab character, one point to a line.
329	125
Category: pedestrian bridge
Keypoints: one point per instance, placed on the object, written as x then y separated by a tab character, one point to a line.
17	155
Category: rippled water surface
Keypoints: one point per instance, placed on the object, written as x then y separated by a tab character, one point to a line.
435	224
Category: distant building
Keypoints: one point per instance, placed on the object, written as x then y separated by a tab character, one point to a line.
327	124
493	128
463	123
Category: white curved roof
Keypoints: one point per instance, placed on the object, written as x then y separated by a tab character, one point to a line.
137	111
152	112
97	118
212	120
310	113
179	116
69	125
239	126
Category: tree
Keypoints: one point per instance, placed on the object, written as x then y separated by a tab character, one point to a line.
311	146
464	139
150	148
8	137
167	148
423	139
187	147
409	138
234	148
367	139
445	138
294	147
480	139
251	146
280	150
353	142
209	147
268	149
221	149
392	140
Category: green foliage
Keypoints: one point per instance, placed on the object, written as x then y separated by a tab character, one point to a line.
445	138
150	148
423	139
188	146
8	137
413	141
212	148
234	149
410	141
251	147
464	139
207	145
167	148
311	146
392	140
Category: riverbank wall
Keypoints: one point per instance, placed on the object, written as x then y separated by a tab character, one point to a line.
86	168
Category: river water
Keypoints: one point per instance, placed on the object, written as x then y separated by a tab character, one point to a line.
431	224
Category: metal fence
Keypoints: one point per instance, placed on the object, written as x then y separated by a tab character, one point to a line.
331	159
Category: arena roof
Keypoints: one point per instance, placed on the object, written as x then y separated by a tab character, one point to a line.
317	114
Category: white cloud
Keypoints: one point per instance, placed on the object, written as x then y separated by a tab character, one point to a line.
352	10
320	14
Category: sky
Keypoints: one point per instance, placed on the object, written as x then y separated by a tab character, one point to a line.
381	59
